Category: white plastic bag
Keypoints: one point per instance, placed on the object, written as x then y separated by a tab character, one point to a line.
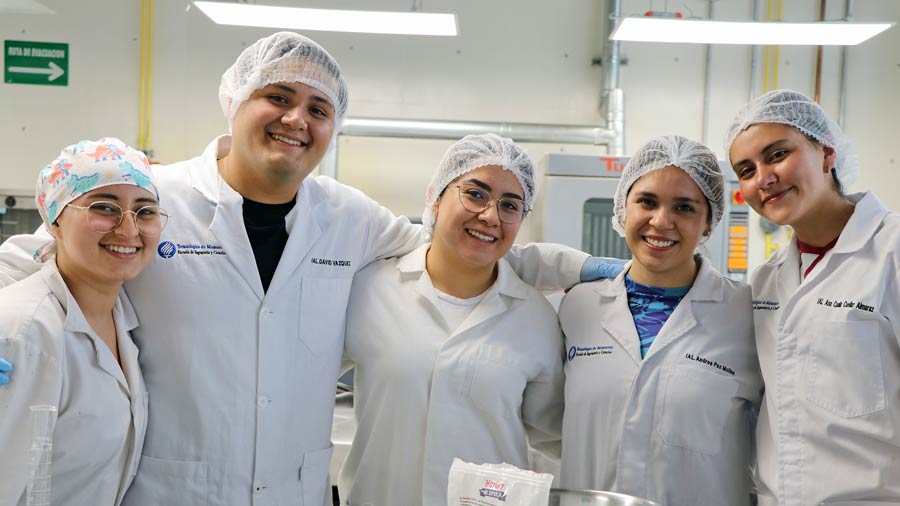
496	485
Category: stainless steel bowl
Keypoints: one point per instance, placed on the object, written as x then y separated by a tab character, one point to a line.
571	497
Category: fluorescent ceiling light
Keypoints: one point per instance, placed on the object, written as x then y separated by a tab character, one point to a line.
24	7
330	20
821	33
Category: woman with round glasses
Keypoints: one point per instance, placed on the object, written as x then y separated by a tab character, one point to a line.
67	328
455	356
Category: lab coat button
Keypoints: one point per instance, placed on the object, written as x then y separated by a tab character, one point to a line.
264	401
258	488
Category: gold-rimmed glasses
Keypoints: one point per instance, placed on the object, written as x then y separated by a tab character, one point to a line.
475	199
104	217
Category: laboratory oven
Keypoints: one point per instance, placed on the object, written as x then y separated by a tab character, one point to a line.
577	207
18	214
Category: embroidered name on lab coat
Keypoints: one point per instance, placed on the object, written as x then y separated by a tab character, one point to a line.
329	261
844	303
711	363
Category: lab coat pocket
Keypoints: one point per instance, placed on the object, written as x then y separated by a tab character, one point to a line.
164	481
323	314
843	370
694	407
499	382
314	476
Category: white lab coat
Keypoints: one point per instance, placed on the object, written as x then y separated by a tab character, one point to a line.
425	393
242	381
829	428
674	428
59	360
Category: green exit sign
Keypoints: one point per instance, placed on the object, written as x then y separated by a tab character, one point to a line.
36	63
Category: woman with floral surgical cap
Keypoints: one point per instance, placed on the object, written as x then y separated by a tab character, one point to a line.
67	328
826	307
662	380
455	355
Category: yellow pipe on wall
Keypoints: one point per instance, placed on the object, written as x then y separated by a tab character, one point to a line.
771	54
767	52
777	55
146	73
141	91
770	82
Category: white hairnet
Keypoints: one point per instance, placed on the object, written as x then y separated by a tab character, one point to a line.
795	109
284	57
472	152
695	159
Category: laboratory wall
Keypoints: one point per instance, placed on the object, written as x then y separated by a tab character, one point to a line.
521	61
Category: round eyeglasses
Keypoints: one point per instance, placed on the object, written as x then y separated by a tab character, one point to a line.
104	217
476	200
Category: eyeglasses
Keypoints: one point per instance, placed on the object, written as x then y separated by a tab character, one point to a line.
104	217
474	199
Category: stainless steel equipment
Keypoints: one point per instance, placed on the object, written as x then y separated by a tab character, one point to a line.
571	497
18	214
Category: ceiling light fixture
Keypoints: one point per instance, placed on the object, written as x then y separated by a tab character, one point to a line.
24	7
267	16
697	31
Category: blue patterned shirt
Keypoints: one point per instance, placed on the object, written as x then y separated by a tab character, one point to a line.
651	307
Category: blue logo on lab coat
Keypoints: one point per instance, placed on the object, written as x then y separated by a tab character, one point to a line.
588	351
167	249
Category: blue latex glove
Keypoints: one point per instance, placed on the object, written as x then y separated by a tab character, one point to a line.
5	367
601	267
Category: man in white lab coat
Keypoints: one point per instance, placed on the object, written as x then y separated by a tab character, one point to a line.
243	309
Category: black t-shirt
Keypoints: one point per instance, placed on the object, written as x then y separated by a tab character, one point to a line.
268	235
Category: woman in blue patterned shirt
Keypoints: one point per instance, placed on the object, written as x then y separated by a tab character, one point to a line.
662	380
